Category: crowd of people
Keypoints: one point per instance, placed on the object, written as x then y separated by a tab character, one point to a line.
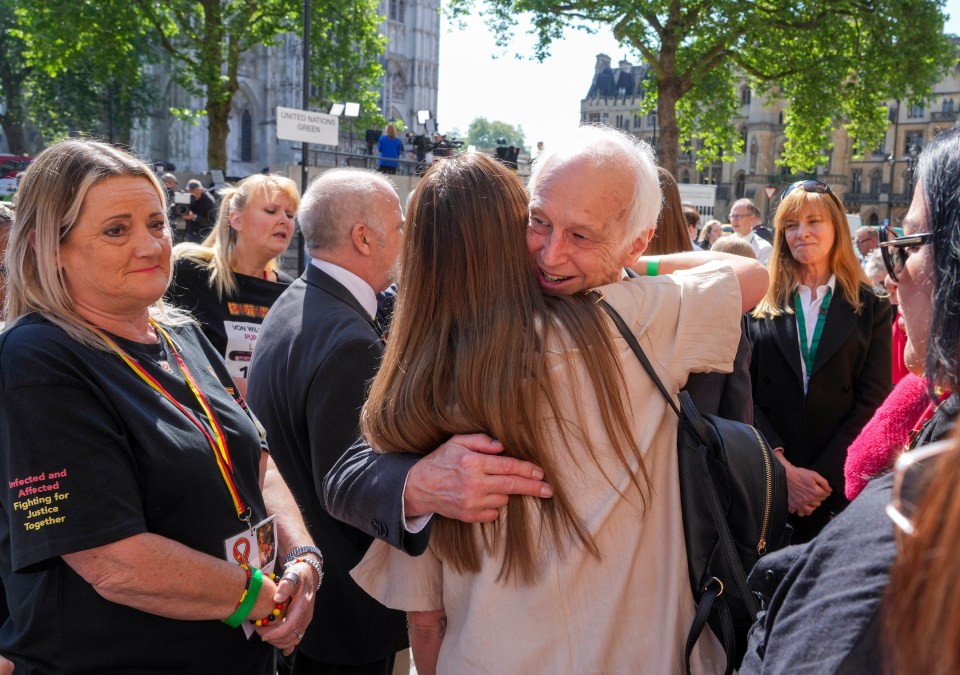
436	437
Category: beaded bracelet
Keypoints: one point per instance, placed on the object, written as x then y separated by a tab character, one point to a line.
248	599
277	608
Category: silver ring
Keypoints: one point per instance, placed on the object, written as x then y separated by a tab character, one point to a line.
293	577
298	634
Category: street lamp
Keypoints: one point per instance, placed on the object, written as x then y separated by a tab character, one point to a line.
913	153
893	163
346	110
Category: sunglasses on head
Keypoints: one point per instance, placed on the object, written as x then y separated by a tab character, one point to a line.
817	186
896	251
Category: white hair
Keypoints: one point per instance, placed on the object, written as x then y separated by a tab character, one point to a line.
602	146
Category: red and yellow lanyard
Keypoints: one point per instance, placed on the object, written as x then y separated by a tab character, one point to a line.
217	441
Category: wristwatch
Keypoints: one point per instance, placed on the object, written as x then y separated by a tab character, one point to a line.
310	555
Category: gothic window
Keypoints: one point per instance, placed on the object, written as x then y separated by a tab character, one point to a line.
856	181
636	121
619	121
739	185
743	135
875	181
744	95
873	221
943	107
246	137
754	151
916	110
397	10
892	114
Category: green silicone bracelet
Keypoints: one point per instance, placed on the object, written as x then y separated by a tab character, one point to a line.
653	267
248	600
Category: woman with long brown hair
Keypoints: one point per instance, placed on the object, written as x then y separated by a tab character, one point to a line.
593	578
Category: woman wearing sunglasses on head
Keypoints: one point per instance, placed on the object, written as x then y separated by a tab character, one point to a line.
823	600
821	352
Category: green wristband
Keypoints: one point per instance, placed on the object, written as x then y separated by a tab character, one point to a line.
248	600
653	266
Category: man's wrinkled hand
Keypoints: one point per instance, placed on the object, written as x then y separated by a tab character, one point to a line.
467	479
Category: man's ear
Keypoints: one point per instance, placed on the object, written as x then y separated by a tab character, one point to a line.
637	248
362	238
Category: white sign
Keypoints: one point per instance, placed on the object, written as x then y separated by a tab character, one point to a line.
306	126
703	197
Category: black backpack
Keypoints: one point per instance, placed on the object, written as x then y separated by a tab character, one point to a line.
733	495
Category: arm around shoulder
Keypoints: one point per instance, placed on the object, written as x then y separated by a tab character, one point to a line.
751	275
365	490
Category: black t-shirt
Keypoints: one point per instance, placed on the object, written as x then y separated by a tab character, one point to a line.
91	455
232	322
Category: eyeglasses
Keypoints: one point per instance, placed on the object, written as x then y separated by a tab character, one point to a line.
817	186
896	251
912	474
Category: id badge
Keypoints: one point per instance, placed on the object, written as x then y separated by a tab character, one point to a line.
256	547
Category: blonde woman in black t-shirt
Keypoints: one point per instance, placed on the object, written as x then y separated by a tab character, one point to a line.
231	280
134	481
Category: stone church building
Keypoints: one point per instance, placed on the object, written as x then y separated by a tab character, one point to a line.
273	76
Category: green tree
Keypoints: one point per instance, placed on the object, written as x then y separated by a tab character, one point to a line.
484	133
346	47
834	61
202	40
14	71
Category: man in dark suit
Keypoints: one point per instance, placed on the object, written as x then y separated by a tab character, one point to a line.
319	347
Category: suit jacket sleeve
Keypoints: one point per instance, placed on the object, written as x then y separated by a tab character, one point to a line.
870	390
736	403
751	332
365	489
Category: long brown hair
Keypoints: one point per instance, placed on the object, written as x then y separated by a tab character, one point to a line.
672	235
784	270
466	354
921	607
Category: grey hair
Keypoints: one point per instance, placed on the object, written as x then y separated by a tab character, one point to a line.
749	205
193	184
872	231
606	146
338	200
51	196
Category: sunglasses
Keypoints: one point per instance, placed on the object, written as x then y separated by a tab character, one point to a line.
813	186
896	251
912	473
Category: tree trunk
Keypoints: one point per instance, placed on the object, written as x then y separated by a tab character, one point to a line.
218	130
668	150
12	121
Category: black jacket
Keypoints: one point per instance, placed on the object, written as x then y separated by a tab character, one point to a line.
316	354
851	377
